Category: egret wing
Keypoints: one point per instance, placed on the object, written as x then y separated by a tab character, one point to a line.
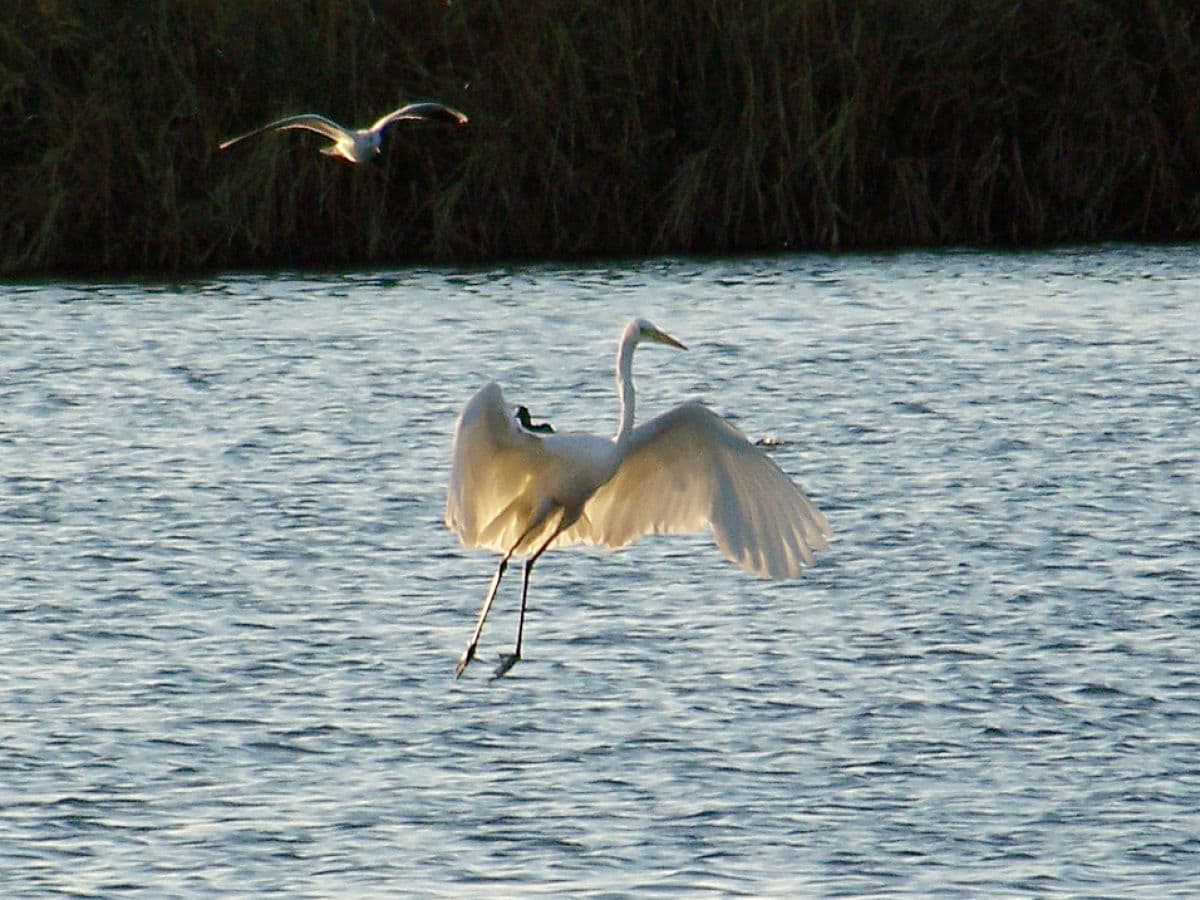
688	469
308	121
493	462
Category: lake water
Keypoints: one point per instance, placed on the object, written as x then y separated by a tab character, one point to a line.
230	612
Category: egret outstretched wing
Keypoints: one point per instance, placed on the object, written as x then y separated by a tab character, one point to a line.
688	469
307	121
492	463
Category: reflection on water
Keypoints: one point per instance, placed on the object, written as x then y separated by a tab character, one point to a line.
231	612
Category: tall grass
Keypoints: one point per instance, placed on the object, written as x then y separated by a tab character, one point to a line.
621	127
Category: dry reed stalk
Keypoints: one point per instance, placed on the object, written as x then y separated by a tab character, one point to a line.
597	128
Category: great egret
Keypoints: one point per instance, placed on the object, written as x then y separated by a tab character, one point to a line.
521	494
358	145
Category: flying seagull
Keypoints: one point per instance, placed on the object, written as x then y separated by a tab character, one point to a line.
358	145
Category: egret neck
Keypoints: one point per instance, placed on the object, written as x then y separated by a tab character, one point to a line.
629	341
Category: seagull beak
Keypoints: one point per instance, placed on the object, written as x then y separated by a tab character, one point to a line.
661	337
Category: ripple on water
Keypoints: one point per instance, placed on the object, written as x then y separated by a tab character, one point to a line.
231	611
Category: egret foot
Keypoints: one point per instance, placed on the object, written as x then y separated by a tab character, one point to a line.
464	661
507	661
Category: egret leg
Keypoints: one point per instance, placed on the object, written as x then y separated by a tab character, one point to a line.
469	653
508	660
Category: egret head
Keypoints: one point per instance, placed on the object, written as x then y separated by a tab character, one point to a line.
641	330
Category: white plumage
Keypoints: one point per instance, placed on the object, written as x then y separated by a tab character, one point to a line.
520	493
357	145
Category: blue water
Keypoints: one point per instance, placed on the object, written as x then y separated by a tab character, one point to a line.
230	613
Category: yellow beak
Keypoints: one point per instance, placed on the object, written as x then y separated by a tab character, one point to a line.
661	337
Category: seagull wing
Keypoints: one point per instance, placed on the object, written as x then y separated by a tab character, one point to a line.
423	112
307	121
493	464
688	469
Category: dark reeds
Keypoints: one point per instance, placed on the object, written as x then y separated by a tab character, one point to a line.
597	128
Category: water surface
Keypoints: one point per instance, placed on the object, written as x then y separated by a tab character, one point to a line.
230	613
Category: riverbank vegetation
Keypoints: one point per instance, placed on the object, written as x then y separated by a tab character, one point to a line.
597	128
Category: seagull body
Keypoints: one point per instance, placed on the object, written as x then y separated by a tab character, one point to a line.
521	493
358	145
